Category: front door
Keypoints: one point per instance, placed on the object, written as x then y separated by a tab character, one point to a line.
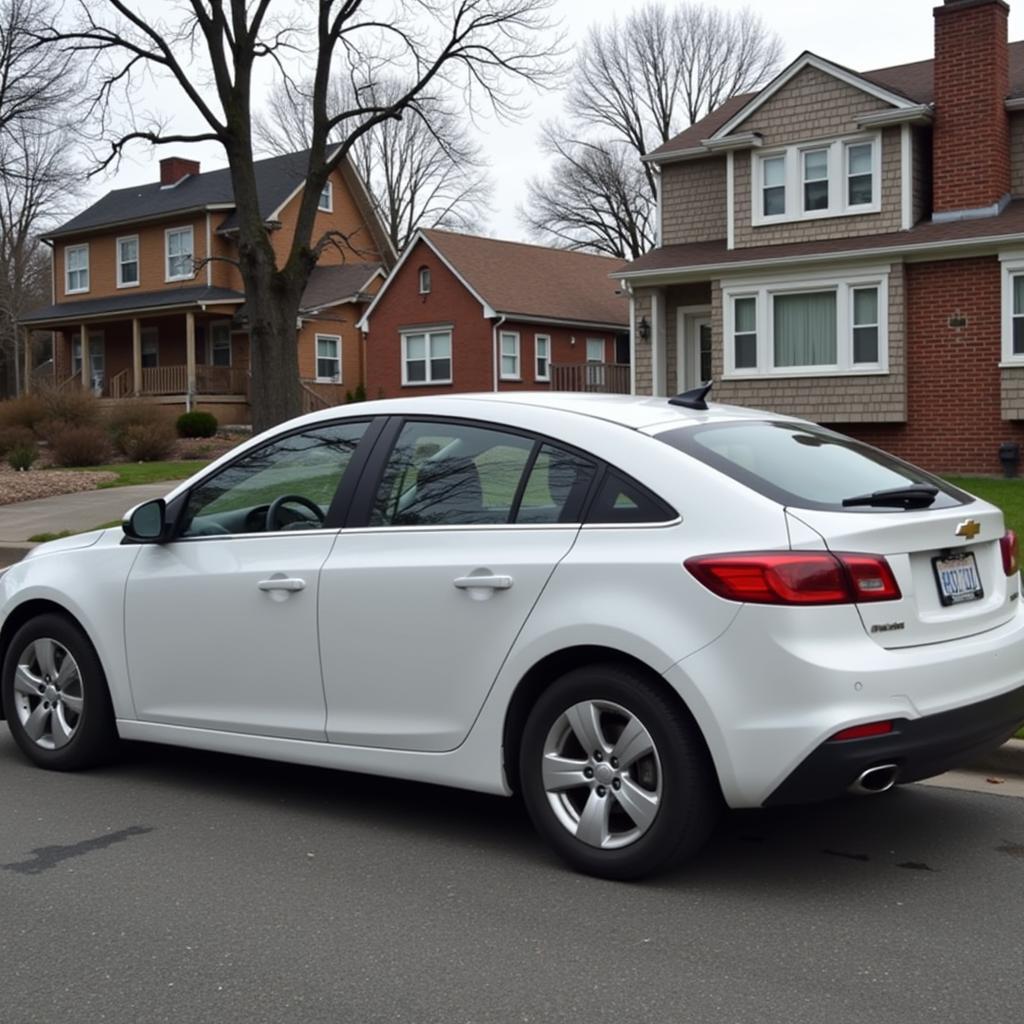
421	604
221	623
693	351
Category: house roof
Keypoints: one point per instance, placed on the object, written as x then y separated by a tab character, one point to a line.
276	178
715	256
915	82
169	298
329	285
515	278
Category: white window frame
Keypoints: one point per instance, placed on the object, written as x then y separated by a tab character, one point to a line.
327	192
68	250
763	291
121	282
336	338
167	253
513	338
214	325
424	280
428	333
537	340
1013	266
838	180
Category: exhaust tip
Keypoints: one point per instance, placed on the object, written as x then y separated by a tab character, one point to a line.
876	779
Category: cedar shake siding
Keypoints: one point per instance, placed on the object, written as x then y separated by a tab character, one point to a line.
693	201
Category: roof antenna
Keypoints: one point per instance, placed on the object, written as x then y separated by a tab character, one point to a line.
695	399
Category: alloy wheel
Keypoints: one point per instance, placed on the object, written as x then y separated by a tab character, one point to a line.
48	693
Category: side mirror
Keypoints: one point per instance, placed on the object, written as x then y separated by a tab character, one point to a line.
146	523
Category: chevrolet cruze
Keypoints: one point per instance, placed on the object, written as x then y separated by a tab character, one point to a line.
630	611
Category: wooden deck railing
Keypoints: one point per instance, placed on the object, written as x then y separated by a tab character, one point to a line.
120	385
605	378
164	380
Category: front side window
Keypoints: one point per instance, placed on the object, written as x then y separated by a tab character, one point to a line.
326	201
509	355
328	358
180	264
860	161
150	347
804	327
220	344
542	353
285	485
427	357
76	263
128	262
815	179
773	192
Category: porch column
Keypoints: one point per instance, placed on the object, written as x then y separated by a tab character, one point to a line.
86	361
659	354
190	352
136	356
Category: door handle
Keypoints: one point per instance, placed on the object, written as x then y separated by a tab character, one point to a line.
282	583
484	582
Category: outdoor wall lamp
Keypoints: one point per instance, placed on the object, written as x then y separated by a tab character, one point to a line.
643	329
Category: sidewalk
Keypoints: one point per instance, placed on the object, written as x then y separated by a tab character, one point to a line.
83	510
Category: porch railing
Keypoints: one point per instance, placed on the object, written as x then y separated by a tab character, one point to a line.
604	378
120	385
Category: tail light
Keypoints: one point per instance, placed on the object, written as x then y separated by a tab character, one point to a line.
860	732
1011	554
796	577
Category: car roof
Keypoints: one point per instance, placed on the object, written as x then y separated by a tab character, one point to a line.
635	412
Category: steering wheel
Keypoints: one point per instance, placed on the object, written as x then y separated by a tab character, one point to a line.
278	503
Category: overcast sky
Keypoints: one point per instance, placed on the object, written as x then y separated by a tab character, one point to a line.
864	35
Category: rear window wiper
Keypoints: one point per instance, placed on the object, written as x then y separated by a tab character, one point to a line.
912	496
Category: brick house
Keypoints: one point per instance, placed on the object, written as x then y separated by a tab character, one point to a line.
849	247
466	313
148	301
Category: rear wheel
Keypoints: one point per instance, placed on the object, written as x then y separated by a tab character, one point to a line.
55	696
614	774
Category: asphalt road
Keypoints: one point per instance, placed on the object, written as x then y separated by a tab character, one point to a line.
188	887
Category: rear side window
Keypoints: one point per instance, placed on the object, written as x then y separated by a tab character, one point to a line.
805	466
621	500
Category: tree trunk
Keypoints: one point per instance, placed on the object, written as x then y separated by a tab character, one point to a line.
273	345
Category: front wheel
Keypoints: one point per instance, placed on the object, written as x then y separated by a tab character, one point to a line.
614	774
55	696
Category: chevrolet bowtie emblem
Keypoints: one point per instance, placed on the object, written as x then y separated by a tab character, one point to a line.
968	529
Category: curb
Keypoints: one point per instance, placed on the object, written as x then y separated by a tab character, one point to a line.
13	550
1006	760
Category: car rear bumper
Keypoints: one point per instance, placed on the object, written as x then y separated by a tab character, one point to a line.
919	748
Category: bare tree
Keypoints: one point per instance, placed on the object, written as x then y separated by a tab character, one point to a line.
422	169
211	52
636	85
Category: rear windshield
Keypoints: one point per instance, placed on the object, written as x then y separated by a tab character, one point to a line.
805	466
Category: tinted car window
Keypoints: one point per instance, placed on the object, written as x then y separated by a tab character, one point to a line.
621	500
556	487
306	466
450	474
804	466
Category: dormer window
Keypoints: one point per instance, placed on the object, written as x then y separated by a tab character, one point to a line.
424	280
823	179
326	203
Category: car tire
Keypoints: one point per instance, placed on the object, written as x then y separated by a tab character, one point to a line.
55	696
641	799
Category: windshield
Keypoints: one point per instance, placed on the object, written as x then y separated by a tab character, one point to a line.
806	466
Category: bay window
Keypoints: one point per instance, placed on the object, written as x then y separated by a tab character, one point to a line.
788	327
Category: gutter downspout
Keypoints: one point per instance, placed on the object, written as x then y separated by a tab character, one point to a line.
494	347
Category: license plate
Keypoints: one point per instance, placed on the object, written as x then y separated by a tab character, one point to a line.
958	579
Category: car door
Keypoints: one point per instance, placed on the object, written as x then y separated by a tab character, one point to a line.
220	623
459	528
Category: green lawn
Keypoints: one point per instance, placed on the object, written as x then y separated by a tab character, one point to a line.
129	473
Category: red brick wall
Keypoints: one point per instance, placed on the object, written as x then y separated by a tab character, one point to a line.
953	402
449	302
972	132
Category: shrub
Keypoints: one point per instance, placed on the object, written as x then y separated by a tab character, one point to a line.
125	417
23	412
197	424
22	455
359	395
79	446
13	437
73	407
146	442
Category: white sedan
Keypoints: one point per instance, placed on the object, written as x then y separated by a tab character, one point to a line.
630	611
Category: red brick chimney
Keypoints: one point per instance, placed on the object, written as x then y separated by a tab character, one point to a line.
174	168
971	140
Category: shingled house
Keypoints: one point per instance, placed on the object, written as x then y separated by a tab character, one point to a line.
849	246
